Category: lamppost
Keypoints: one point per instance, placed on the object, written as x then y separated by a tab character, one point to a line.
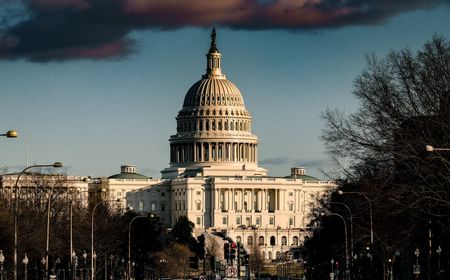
92	234
2	259
416	269
10	134
25	264
370	211
129	244
431	149
162	263
351	227
16	210
43	267
71	252
347	270
439	252
84	265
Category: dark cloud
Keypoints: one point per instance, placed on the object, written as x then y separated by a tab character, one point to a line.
316	163
44	30
275	161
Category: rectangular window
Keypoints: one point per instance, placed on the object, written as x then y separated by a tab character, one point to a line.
198	193
199	221
272	220
163	207
224	220
291	207
258	220
198	206
291	221
291	194
238	220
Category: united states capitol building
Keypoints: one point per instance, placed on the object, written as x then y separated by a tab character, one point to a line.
214	178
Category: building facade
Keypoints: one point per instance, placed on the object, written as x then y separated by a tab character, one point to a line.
214	178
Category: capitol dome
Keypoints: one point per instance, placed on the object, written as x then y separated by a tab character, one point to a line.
214	135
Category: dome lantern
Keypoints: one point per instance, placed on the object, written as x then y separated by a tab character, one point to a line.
213	69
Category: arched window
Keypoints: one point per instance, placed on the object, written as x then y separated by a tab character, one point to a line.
261	240
207	126
295	241
283	241
250	240
272	241
220	125
278	255
270	255
226	125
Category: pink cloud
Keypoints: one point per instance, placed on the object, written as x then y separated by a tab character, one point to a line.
71	29
187	12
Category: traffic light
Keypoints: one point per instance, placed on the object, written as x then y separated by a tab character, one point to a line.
233	251
226	251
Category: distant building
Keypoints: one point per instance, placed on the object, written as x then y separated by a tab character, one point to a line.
31	184
116	187
214	178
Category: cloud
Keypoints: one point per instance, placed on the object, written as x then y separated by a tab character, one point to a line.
275	161
46	30
284	160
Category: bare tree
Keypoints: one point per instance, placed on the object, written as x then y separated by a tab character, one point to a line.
380	149
256	259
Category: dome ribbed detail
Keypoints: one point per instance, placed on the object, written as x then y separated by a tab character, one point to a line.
213	92
214	129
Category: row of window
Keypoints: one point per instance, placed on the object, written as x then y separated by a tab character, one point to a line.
207	125
214	112
272	241
248	221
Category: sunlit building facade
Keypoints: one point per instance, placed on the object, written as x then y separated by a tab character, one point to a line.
214	178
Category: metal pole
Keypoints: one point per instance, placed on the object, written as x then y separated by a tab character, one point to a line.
71	234
346	244
129	245
16	209
351	227
48	236
370	212
92	236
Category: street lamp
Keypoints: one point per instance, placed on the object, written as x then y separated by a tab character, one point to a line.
71	252
439	252
347	271
10	134
370	211
416	269
25	263
129	244
163	263
16	210
2	259
351	227
92	234
431	149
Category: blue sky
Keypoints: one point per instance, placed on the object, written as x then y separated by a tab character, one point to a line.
96	113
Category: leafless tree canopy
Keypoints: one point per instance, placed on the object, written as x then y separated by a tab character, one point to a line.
380	148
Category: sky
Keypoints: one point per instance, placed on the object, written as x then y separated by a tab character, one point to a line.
98	83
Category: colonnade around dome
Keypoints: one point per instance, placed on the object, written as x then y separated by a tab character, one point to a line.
213	152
